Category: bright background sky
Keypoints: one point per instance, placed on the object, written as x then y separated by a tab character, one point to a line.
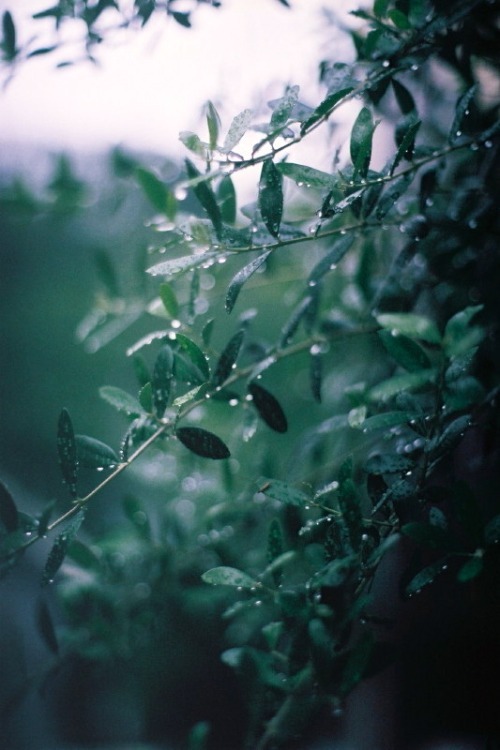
152	84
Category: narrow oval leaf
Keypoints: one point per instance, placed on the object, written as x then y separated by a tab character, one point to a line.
237	129
191	350
404	99
66	448
271	196
471	569
316	374
406	145
121	400
242	277
179	265
387	420
169	300
154	189
283	492
392	194
307	176
409	324
461	111
93	453
426	576
400	383
361	141
405	351
325	108
9	36
268	407
162	379
60	548
329	262
226	196
213	124
227	360
8	511
202	442
226	576
206	197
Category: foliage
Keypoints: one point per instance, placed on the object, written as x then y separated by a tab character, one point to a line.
268	317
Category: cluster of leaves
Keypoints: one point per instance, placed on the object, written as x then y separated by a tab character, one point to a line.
377	264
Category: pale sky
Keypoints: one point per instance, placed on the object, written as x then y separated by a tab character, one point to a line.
153	83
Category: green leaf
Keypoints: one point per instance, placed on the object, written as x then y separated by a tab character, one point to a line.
146	397
162	379
237	129
154	189
387	420
339	248
303	175
169	300
8	511
268	407
182	19
470	569
283	109
409	324
226	196
400	383
185	263
106	273
226	576
194	143
361	141
405	150
206	197
121	400
237	282
193	352
283	492
66	448
227	360
349	505
271	196
461	111
405	351
459	335
60	548
426	576
275	549
399	19
380	8
492	531
94	454
392	194
326	107
9	36
202	442
213	124
404	99
316	373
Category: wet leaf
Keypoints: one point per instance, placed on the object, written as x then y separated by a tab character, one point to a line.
459	335
400	383
194	143
405	351
226	196
426	576
8	511
275	547
461	110
407	143
93	453
238	281
471	569
271	196
387	420
361	141
227	360
66	448
349	505
325	108
154	189
202	442
409	324
169	300
283	110
392	194
339	248
206	197
303	175
283	492
121	400
191	350
237	129
268	407
60	548
162	379
182	264
226	576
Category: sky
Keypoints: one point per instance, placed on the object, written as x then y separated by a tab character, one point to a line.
152	84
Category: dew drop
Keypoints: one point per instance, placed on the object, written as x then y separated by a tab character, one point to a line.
488	144
458	133
386	64
414	67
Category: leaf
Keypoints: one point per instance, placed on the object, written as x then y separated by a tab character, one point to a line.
303	175
404	99
206	197
387	420
349	505
268	407
121	400
283	492
237	282
202	442
45	626
426	576
227	360
461	111
169	300
185	263
188	347
426	534
291	325
8	511
226	576
60	548
162	379
94	454
387	463
361	141
66	448
399	19
470	569
275	550
154	189
380	7
9	36
492	531
459	335
181	18
271	196
405	351
316	373
339	248
283	109
409	324
392	194
194	143
226	195
213	124
400	383
324	109
405	150
237	129
106	273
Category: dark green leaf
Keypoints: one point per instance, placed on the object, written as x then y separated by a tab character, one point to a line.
226	195
206	197
154	189
361	141
461	111
349	505
405	150
283	492
275	548
169	300
492	531
459	335
60	548
339	248
399	19
470	569
162	379
306	176
226	576
271	196
45	626
268	408
426	576
66	448
94	454
392	194
388	463
202	442
283	109
121	400
386	420
325	108
399	384
9	36
405	351
242	277
146	397
380	7
107	274
198	736
291	325
181	18
192	351
403	97
8	511
227	360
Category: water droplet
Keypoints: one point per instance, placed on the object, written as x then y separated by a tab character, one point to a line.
233	402
458	133
221	260
180	193
472	224
474	146
175	323
386	64
488	144
414	67
300	184
429	202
